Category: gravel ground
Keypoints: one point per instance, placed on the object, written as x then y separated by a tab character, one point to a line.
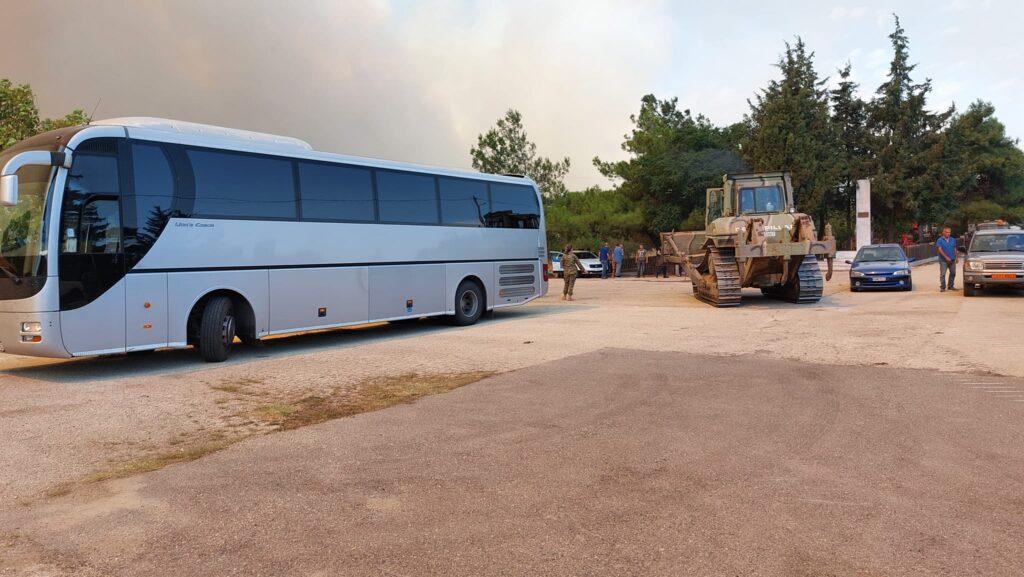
612	462
65	421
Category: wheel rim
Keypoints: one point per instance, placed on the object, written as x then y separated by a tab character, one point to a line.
227	330
468	303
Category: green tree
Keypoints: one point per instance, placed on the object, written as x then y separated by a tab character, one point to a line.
909	178
985	166
74	118
790	128
19	116
674	157
592	216
849	125
505	149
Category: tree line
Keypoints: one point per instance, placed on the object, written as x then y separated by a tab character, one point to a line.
927	167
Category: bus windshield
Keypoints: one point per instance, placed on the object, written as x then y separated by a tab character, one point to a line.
23	226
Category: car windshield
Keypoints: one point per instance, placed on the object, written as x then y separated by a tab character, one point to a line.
879	254
760	199
23	226
998	243
582	254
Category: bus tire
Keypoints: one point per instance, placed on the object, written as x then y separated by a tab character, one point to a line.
217	329
469	303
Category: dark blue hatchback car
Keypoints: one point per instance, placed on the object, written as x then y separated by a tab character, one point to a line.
880	266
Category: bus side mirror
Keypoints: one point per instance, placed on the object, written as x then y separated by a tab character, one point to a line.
9	190
9	172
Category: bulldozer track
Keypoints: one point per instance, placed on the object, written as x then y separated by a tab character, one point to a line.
721	284
811	283
806	287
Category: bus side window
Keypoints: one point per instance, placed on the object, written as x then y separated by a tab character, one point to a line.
407	197
242	185
463	201
149	208
513	206
336	192
91	221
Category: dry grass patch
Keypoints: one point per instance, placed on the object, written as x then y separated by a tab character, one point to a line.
161	460
237	385
370	395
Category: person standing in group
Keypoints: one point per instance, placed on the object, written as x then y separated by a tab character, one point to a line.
945	246
618	259
641	261
603	255
571	266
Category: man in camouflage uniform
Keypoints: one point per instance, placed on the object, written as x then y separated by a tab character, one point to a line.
571	266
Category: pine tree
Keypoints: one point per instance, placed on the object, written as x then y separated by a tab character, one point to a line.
789	128
505	149
908	176
849	119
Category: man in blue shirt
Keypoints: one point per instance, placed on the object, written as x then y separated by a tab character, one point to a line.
618	259
604	260
945	246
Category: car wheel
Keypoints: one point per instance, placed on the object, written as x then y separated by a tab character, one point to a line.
469	303
217	330
970	291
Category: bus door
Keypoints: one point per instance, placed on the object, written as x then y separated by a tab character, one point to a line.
146	209
91	260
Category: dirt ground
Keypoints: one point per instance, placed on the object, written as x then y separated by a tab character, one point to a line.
620	465
71	425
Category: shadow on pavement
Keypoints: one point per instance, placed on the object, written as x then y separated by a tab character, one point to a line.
188	360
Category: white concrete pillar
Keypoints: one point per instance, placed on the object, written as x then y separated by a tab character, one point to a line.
863	212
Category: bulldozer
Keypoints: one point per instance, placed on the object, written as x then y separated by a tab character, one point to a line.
753	237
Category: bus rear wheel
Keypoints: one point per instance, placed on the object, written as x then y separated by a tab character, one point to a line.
217	330
469	303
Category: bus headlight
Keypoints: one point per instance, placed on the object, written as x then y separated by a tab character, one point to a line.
975	265
31	327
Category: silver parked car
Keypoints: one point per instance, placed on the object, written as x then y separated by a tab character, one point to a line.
995	258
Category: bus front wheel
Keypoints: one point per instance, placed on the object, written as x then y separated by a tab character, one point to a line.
217	329
469	303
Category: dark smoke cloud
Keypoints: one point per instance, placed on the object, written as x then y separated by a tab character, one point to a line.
405	81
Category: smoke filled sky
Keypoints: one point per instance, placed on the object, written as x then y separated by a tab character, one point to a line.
417	81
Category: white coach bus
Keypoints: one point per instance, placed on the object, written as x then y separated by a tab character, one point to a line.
139	233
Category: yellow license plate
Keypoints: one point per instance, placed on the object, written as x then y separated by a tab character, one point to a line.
1003	276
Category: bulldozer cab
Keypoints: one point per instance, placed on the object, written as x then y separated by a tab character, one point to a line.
742	194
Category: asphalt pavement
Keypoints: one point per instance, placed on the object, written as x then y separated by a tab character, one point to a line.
612	462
